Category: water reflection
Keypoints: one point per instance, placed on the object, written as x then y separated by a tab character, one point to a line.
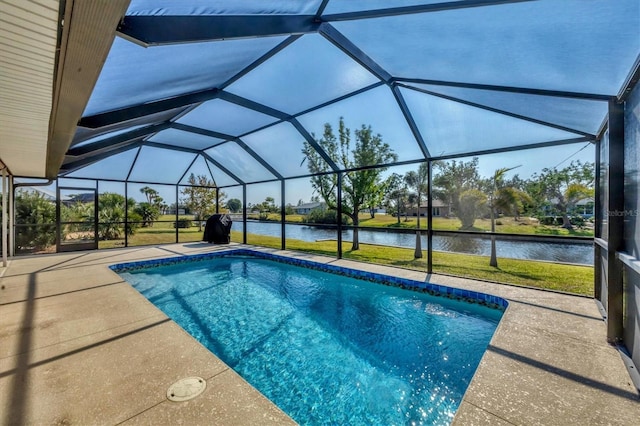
573	252
459	244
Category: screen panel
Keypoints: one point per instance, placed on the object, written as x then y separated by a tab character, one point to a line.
134	75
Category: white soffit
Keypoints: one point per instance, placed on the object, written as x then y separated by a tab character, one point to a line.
28	35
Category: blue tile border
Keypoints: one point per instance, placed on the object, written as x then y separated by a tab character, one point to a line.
469	296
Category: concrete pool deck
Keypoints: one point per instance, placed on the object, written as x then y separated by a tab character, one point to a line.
80	346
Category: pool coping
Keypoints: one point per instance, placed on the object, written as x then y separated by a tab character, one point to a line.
548	361
484	299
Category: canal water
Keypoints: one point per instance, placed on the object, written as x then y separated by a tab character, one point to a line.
566	251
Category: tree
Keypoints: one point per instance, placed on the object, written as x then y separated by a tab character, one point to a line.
234	205
375	198
269	205
454	178
79	213
511	200
357	186
564	188
518	200
200	197
111	217
148	213
418	181
151	210
499	197
396	194
151	194
471	205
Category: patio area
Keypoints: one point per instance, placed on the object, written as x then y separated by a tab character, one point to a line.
80	346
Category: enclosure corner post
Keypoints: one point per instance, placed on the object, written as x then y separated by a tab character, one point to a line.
339	215
244	213
177	216
4	216
283	242
615	303
429	220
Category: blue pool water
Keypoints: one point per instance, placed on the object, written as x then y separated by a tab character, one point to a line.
327	349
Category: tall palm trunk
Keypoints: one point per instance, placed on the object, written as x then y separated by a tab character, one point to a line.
418	252
494	260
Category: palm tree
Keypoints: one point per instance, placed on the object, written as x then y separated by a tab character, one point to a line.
499	198
418	182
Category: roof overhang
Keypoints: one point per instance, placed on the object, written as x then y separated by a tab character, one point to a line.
50	58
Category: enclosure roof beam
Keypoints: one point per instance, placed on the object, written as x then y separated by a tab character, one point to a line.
271	53
188	167
201	131
510	89
353	51
136	111
408	10
630	82
72	166
192	151
223	168
515	148
321	9
160	30
161	145
186	100
340	98
497	110
258	158
311	141
255	106
118	139
410	121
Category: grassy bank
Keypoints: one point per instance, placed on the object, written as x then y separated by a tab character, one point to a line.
545	275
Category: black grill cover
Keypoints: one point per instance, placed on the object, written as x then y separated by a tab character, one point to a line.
218	229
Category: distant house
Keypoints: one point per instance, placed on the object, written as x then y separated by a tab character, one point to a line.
44	192
309	207
584	207
85	197
172	211
438	209
82	198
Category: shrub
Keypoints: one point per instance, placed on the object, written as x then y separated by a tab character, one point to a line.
39	216
325	217
577	221
183	222
547	220
133	224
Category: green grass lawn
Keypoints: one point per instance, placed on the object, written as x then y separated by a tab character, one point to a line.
546	275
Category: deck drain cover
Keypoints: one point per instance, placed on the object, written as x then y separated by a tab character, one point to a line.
186	389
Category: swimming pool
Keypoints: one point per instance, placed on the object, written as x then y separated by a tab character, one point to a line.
327	348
